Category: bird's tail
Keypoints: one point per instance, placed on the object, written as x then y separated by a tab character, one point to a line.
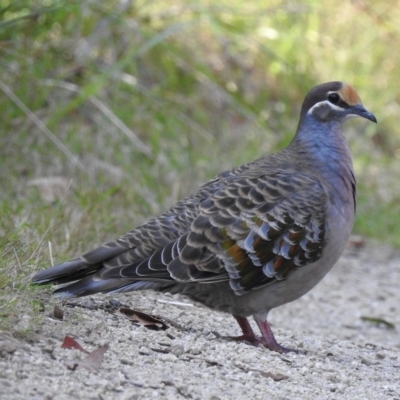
78	278
66	272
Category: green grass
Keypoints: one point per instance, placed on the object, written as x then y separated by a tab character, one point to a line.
135	105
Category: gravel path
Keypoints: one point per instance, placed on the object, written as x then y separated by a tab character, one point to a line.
347	356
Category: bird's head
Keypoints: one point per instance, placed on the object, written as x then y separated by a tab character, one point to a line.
334	101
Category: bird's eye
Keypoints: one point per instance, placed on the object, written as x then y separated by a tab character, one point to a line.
334	98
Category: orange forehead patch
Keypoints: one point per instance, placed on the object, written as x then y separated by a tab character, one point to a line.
349	95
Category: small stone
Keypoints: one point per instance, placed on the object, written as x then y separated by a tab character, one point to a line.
380	356
7	347
177	349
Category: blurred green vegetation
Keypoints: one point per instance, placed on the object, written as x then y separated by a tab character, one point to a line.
113	110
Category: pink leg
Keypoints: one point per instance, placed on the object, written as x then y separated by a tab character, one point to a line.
267	337
248	334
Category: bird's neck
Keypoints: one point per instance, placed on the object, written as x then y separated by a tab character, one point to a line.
322	145
323	148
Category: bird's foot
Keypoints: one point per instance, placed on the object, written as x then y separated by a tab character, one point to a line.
248	334
255	341
252	339
268	339
275	346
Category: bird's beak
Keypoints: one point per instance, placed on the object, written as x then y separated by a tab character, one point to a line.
359	110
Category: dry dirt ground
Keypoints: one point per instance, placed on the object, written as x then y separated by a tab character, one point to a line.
348	354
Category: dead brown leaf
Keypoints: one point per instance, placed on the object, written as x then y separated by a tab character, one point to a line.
94	359
71	343
91	362
140	318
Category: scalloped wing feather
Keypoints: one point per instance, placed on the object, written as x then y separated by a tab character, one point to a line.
276	224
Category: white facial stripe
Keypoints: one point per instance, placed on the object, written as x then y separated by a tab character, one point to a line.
321	103
351	116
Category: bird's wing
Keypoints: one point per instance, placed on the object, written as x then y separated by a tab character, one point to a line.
251	231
